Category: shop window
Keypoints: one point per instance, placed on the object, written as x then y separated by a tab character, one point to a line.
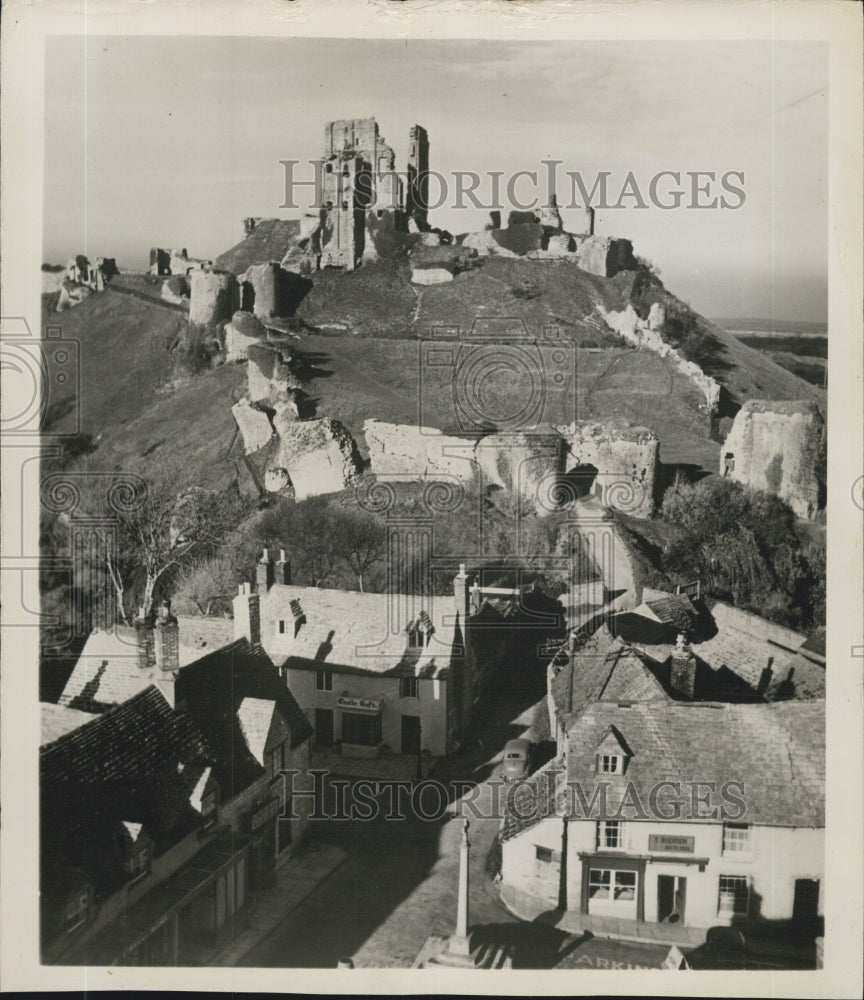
734	895
362	730
610	835
323	680
599	883
736	838
408	687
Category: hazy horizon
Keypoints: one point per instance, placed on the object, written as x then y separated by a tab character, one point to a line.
158	141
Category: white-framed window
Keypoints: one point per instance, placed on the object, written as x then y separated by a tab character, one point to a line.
736	838
599	883
610	835
408	687
734	895
610	763
77	908
323	680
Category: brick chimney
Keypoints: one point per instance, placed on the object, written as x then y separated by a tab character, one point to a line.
283	568
264	572
144	641
682	675
166	635
247	614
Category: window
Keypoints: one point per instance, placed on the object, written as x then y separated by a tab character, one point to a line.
734	894
546	854
76	909
276	760
361	730
609	764
599	882
415	638
610	834
139	863
281	626
209	806
625	886
408	687
736	838
323	680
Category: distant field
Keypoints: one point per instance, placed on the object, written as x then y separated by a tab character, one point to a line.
809	345
782	327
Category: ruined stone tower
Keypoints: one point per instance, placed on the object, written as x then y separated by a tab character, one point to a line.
417	193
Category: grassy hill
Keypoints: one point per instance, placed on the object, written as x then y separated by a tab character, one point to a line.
369	358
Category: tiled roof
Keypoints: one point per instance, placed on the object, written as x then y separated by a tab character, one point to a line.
528	802
57	720
348	631
200	636
747	644
776	752
214	689
106	673
604	668
674	609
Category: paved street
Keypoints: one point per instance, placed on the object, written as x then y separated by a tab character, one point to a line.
399	885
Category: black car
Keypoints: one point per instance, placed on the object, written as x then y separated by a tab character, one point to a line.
761	944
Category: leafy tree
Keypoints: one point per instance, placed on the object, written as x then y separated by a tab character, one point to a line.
207	586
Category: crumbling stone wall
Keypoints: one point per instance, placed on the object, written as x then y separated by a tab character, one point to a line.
254	424
775	446
318	456
647	334
272	372
175	290
615	461
81	278
403	451
213	297
605	256
241	333
269	290
626	458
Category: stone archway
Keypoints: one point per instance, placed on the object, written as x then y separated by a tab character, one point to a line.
581	480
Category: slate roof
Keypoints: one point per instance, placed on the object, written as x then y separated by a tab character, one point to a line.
215	689
270	240
57	720
776	752
347	631
604	668
106	673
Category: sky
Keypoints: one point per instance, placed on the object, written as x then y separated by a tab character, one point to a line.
172	141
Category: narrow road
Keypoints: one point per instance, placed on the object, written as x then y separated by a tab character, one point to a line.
399	884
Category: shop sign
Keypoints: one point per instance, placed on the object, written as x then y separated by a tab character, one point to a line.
360	704
675	845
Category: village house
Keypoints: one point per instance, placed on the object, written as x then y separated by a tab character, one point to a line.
696	814
380	671
187	811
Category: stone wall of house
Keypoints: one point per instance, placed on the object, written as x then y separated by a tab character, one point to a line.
774	446
647	334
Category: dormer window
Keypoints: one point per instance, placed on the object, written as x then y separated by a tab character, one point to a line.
415	638
608	763
138	865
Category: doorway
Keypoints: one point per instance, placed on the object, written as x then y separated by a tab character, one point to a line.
805	905
581	480
324	727
411	734
671	899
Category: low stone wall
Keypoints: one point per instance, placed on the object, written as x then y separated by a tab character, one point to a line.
774	446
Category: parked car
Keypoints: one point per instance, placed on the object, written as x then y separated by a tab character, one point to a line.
517	759
761	945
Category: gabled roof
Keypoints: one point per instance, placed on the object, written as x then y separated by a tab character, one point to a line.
534	799
106	673
57	720
604	668
351	632
776	752
215	689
